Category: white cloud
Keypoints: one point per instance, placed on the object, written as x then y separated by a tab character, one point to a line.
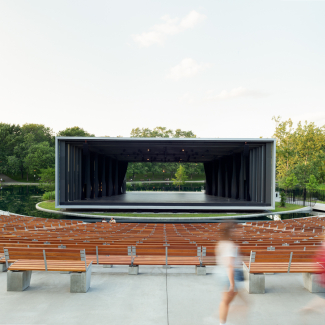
187	68
235	93
170	26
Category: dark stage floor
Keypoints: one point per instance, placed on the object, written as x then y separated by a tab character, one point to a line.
190	199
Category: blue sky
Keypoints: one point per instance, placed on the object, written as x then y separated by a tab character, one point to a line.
219	68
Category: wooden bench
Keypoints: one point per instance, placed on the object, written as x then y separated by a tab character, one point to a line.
22	261
262	263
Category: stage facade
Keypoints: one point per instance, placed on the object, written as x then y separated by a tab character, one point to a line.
90	173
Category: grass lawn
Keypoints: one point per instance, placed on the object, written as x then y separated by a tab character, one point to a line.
50	205
288	207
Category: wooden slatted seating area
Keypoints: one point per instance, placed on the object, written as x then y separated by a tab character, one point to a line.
24	260
187	244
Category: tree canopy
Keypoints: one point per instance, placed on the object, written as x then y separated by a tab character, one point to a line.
300	152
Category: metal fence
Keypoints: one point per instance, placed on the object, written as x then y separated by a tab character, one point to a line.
303	197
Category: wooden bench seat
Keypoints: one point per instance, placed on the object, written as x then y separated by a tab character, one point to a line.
52	265
282	267
26	260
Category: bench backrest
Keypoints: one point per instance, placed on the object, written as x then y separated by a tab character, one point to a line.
16	253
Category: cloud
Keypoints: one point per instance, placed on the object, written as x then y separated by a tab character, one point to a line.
187	68
237	92
171	26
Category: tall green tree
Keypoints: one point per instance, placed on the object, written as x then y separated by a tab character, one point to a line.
180	177
300	151
75	131
9	136
40	156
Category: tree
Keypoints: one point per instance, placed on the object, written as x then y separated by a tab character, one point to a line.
181	177
312	184
75	131
300	151
39	132
40	156
47	179
289	182
135	168
160	132
9	135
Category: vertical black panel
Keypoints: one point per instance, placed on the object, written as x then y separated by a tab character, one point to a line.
67	162
268	173
208	178
216	171
262	186
221	186
78	188
73	167
62	171
116	190
241	190
234	178
213	179
122	168
250	174
258	188
103	163
96	183
109	170
87	190
253	193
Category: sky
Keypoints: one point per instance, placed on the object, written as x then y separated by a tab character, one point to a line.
221	68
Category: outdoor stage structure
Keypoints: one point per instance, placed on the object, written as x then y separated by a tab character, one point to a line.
91	173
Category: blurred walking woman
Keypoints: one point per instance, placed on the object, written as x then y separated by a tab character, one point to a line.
226	259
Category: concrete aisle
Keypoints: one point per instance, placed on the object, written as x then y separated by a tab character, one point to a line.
116	298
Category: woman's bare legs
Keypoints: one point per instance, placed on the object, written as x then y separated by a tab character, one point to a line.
227	298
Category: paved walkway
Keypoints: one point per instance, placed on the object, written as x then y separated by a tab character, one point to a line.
7	179
150	298
10	181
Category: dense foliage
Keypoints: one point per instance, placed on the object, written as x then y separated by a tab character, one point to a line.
29	150
300	154
164	170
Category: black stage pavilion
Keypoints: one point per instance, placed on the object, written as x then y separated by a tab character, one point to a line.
90	173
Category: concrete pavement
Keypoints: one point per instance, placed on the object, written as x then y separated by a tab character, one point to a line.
152	297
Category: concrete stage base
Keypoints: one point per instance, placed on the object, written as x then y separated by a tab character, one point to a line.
18	280
310	283
107	266
80	282
254	283
133	270
200	270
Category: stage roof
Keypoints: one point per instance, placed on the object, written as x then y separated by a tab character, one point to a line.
164	149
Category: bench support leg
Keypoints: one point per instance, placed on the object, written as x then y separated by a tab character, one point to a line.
133	270
200	270
3	267
80	282
254	283
107	265
310	283
18	280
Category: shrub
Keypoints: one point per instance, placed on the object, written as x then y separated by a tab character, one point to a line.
49	195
